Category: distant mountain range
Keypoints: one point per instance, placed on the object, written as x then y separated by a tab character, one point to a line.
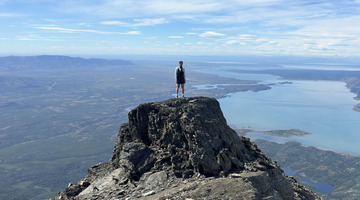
15	63
17	82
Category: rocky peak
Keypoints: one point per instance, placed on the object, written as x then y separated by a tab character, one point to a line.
184	135
182	143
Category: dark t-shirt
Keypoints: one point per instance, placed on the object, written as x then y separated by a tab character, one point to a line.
180	75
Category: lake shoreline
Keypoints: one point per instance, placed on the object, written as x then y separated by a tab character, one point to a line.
352	83
287	133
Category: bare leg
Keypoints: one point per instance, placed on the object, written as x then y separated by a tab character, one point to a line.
182	88
177	88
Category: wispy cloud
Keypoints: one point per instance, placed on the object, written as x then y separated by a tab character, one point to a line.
67	30
135	9
176	37
247	37
205	43
234	42
34	37
208	11
138	22
149	22
241	39
119	23
211	34
297	26
84	24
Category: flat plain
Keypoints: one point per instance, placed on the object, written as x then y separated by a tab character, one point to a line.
56	122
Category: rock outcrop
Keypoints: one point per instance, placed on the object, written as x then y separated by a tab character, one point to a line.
183	149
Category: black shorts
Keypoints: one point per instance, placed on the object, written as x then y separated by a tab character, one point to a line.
180	82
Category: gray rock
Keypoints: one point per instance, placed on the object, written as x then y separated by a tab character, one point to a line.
193	131
183	149
155	180
137	156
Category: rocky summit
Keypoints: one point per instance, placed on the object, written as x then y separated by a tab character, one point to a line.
182	148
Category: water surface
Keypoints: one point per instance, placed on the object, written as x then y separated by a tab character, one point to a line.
319	186
323	108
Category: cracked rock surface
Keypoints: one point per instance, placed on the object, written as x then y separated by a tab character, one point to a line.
182	148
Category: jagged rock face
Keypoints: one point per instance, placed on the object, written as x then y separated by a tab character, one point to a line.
192	134
183	148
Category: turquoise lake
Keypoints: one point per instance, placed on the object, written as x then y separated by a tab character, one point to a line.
323	108
319	186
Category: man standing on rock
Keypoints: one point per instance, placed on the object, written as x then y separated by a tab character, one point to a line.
180	78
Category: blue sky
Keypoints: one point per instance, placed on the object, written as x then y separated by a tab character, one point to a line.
181	27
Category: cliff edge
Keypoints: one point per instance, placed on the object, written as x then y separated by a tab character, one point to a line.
183	149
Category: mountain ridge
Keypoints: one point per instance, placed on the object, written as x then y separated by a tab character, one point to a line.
16	63
329	167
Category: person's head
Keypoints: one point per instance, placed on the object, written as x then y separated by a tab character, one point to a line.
180	63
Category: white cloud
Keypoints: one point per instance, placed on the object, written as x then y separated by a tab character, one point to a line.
176	37
211	34
261	40
205	43
239	40
84	24
261	25
321	47
130	33
247	37
149	22
135	9
138	22
338	44
34	37
266	12
266	41
234	42
231	42
66	30
3	39
208	11
114	23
